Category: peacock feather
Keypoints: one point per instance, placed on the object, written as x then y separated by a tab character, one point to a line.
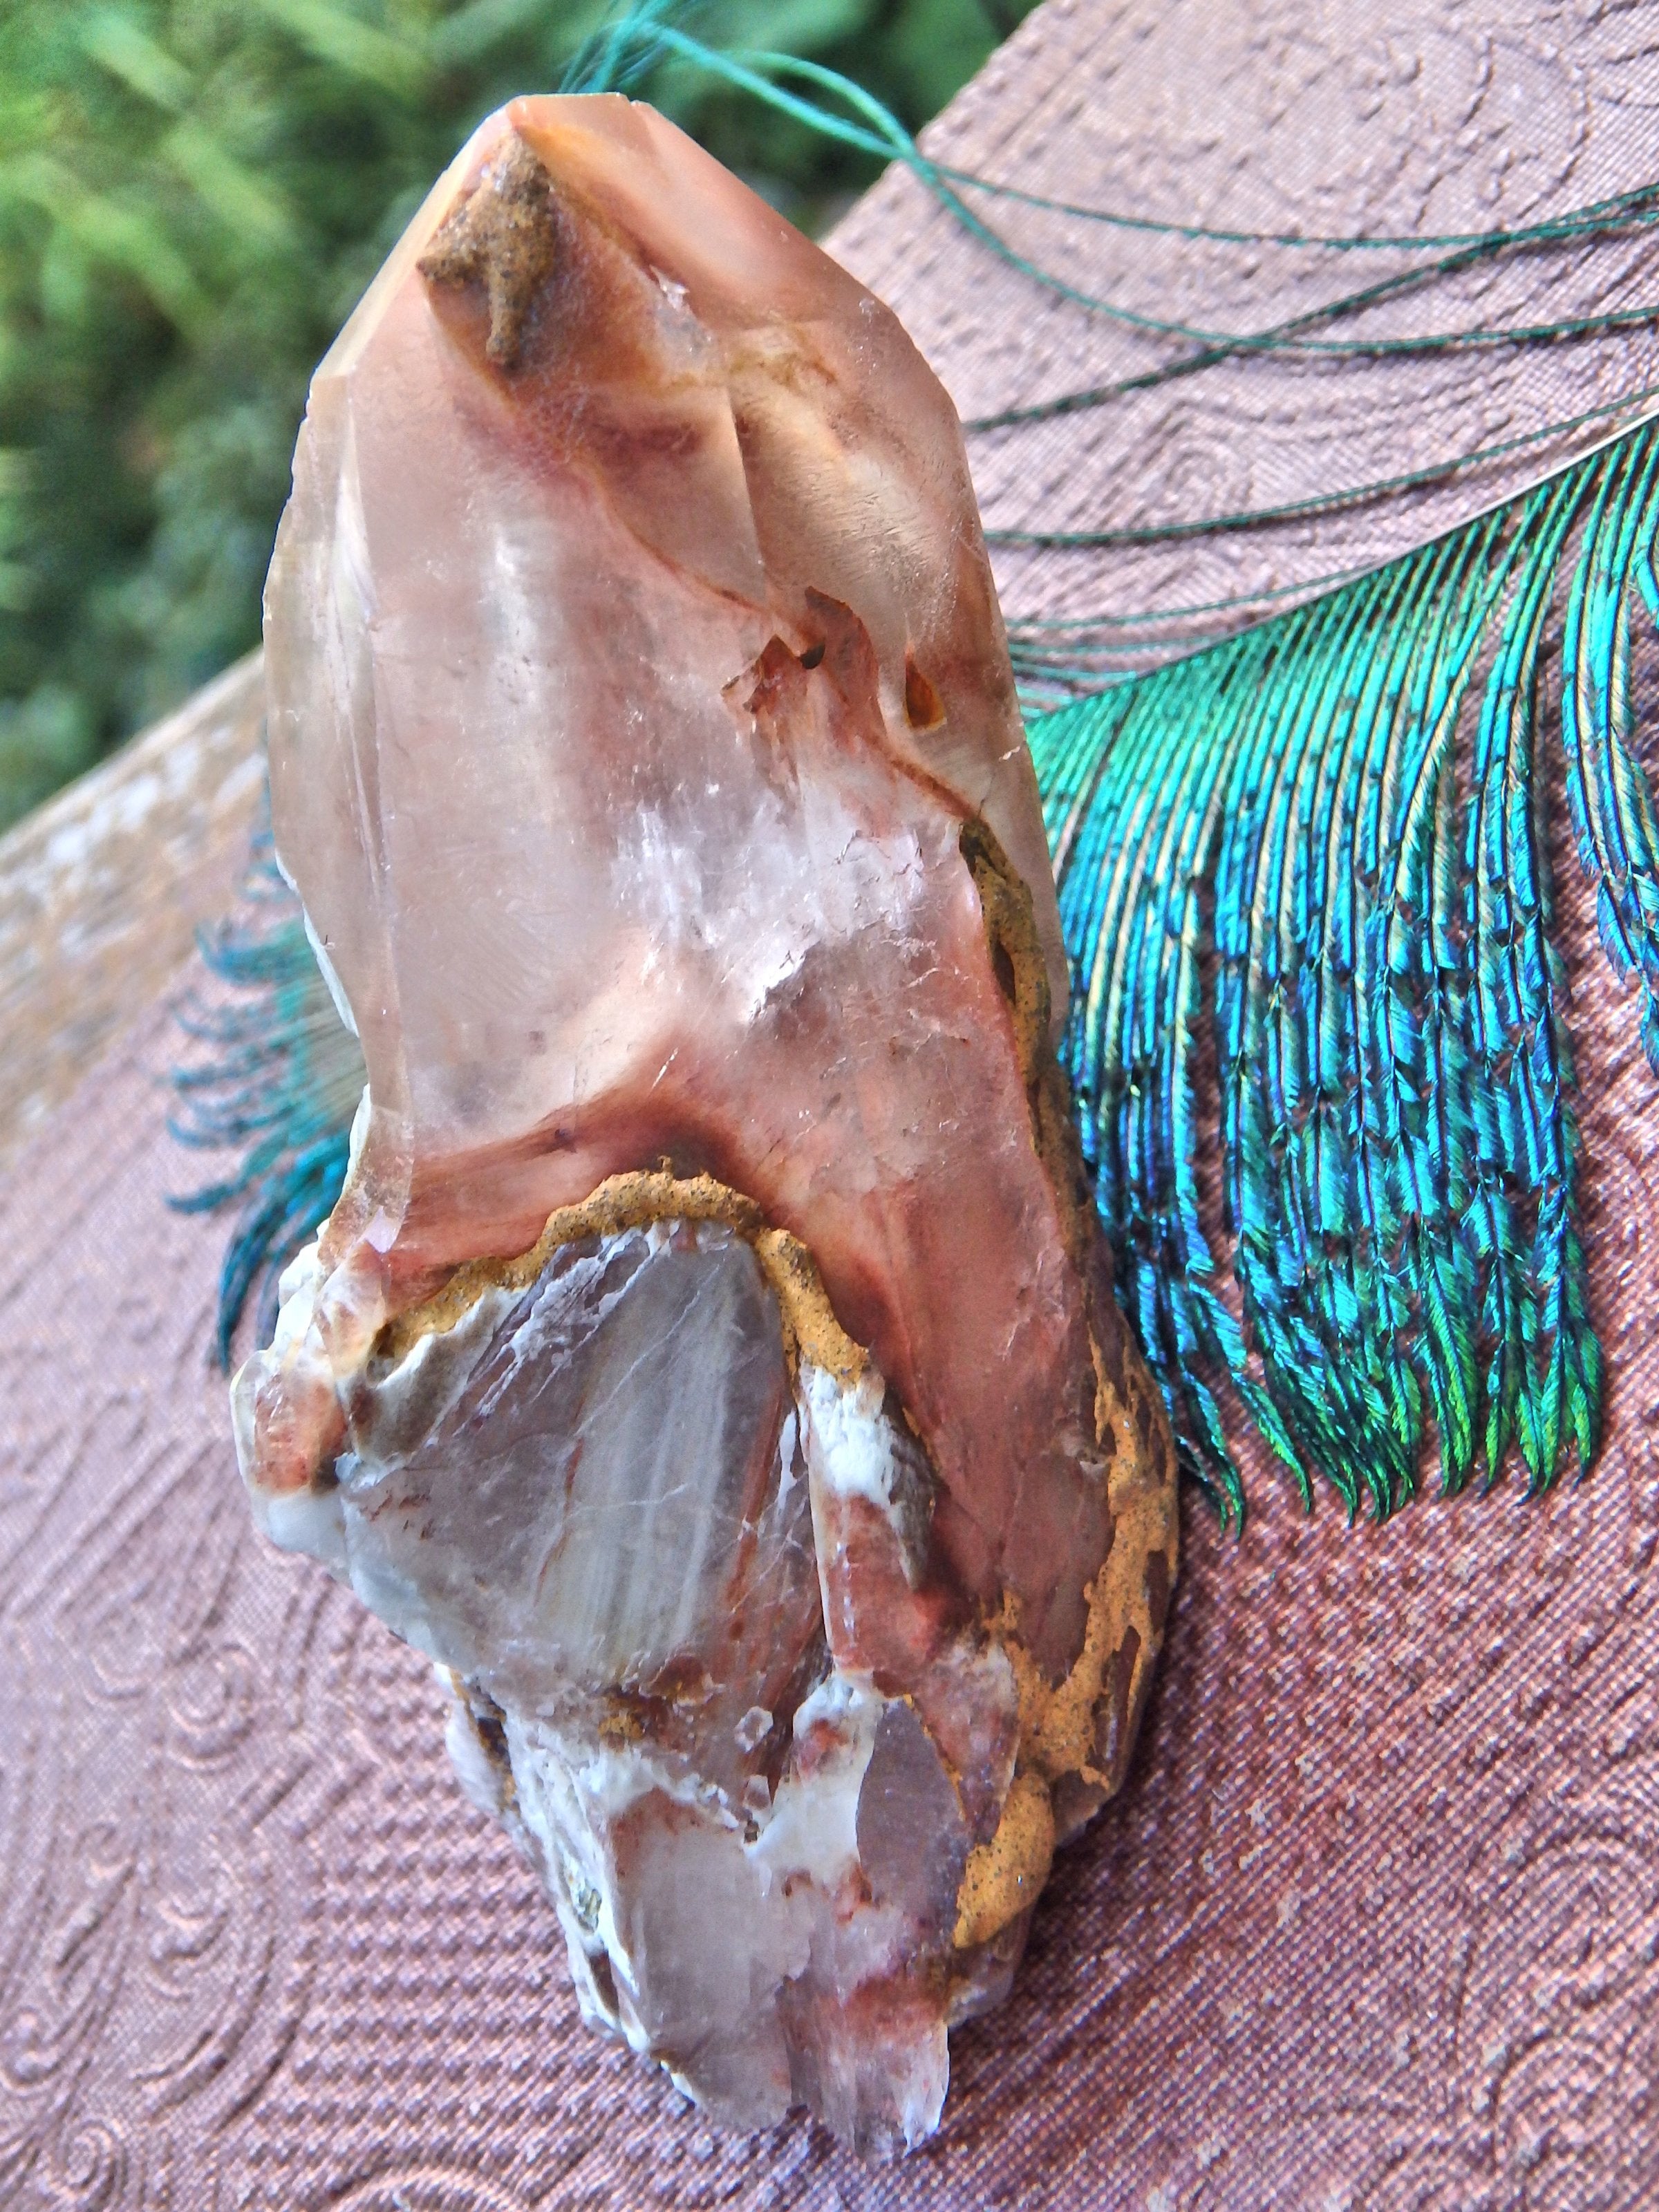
273	1071
1318	1039
1305	889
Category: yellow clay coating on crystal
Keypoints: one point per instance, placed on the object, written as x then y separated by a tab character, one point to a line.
1006	1874
621	1202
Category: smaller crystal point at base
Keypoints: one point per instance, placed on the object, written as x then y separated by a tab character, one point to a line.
681	1590
593	1499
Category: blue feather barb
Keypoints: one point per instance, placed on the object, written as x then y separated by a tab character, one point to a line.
276	1073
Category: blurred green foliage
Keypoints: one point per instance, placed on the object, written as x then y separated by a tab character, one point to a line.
192	195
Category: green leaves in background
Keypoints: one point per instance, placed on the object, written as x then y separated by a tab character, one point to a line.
192	195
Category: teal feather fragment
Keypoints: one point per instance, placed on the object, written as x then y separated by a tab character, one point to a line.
1608	790
273	1073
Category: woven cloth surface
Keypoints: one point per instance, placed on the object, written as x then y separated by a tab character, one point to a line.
1375	1921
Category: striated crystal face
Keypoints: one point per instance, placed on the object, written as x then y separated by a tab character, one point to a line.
589	1482
710	1362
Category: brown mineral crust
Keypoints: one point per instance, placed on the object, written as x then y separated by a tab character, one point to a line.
506	237
634	1201
1004	1877
1076	1737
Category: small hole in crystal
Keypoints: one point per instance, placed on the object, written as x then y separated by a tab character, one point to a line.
1003	967
924	709
813	655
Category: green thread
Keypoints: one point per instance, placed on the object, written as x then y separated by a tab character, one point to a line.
1216	526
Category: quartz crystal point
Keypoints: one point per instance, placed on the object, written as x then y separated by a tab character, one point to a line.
709	1363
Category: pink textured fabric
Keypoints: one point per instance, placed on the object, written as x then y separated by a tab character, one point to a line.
1311	118
1374	1923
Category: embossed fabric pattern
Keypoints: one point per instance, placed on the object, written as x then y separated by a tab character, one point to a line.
1312	117
1375	1921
